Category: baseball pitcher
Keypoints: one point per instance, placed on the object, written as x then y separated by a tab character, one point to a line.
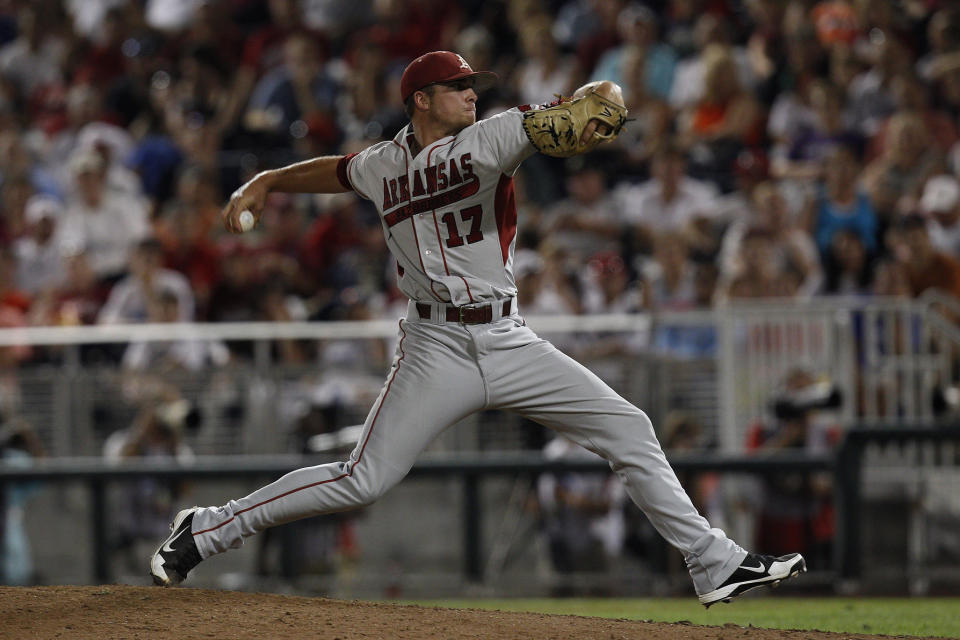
444	190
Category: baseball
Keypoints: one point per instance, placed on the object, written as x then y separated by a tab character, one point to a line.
246	220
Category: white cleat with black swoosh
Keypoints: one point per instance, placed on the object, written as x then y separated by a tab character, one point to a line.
171	562
756	571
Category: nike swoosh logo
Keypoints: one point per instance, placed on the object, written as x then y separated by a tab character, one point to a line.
166	546
760	569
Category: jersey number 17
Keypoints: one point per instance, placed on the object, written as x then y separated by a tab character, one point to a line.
472	215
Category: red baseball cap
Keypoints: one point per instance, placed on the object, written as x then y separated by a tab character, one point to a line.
442	66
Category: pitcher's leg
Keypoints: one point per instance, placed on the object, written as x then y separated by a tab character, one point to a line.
555	390
414	406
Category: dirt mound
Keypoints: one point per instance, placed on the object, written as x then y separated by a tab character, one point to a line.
124	612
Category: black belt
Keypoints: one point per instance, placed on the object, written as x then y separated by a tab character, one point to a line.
478	314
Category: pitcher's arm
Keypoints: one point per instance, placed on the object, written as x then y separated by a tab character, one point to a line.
318	175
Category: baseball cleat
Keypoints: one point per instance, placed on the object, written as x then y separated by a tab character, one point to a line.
171	562
756	571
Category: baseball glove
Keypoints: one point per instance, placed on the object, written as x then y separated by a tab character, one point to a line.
556	130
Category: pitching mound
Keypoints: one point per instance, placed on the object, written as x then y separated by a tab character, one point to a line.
124	612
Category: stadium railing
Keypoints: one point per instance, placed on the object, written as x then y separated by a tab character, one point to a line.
886	357
847	466
471	469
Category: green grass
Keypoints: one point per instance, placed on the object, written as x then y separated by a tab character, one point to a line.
890	616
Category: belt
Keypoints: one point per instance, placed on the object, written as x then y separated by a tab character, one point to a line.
474	314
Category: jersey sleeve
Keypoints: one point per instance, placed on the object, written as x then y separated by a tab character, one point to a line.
504	134
363	171
350	172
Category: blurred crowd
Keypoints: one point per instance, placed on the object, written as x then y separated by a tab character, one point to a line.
776	148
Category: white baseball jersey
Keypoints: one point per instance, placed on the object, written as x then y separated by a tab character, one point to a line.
448	212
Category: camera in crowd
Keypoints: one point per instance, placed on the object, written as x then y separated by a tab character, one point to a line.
797	403
178	416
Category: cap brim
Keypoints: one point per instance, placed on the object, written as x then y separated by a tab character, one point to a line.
482	80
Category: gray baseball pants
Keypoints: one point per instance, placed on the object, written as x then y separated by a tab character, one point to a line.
444	372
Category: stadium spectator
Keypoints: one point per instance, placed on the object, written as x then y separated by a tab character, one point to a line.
166	357
808	148
76	302
803	57
101	223
113	144
895	180
334	244
800	57
836	22
18	165
760	274
368	107
545	69
847	265
19	442
769	211
555	288
262	51
796	509
587	220
235	296
582	515
691	340
842	205
941	203
926	266
609	287
637	28
41	263
88	15
679	22
57	136
186	228
527	268
35	58
891	279
870	96
559	287
19	447
14	194
101	61
10	295
138	297
913	96
724	120
188	251
669	277
157	432
298	98
196	193
671	201
315	546
843	66
943	37
253	287
711	33
652	118
193	102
